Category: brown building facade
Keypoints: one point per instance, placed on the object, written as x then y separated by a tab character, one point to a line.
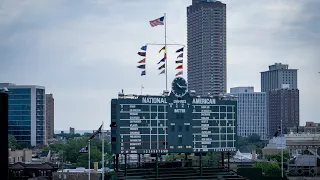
283	105
49	115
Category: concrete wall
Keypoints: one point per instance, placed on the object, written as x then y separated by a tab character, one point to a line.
20	155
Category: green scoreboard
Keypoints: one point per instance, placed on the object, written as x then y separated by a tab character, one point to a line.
173	123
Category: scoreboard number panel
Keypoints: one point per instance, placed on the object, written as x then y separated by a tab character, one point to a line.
172	124
142	127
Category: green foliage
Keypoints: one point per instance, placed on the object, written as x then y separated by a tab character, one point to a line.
277	157
269	169
67	136
172	157
252	142
14	145
212	159
254	138
69	151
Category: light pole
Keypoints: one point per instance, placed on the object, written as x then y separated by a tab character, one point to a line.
281	149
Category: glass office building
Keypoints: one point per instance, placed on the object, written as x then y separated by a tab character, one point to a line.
26	113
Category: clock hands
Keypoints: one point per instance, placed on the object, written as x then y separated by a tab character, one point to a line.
181	86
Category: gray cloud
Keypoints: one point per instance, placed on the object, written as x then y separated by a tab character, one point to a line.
85	52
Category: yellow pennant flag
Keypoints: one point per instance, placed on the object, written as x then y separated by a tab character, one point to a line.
164	48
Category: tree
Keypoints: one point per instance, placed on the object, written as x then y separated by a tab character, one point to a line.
95	156
269	169
173	157
12	142
253	138
14	145
277	157
242	141
67	136
212	159
69	150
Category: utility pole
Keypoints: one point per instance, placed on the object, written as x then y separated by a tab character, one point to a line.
281	150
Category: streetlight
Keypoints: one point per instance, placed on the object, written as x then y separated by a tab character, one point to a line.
281	150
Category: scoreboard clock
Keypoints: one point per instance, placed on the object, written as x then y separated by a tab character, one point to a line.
179	87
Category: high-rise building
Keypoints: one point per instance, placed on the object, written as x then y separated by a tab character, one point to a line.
277	75
26	114
71	130
252	112
4	160
206	31
277	78
283	105
50	115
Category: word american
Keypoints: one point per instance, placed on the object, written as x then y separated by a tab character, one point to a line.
203	101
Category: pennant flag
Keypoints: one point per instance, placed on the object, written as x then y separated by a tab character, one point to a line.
163	59
143	66
143	73
180	55
156	22
142	53
144	48
179	61
179	50
164	48
84	150
142	61
97	132
179	67
179	73
162	72
163	66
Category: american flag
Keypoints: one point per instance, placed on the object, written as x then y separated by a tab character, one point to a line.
84	150
156	22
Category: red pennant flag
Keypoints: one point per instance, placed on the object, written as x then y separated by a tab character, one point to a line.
179	73
143	60
179	67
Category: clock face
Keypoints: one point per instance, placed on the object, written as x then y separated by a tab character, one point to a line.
179	87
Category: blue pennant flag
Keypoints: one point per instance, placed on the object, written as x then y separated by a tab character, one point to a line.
162	60
143	73
179	50
144	48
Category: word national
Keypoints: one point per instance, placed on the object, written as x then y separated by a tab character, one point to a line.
154	100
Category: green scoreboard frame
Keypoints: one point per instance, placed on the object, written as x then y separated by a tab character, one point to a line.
171	124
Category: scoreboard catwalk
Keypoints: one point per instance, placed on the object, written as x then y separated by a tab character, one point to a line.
175	123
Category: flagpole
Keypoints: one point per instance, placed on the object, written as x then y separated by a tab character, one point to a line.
89	158
141	89
281	151
102	135
165	50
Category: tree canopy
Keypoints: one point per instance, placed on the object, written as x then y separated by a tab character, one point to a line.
14	145
269	169
69	151
277	157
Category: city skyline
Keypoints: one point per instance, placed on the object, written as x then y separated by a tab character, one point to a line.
85	53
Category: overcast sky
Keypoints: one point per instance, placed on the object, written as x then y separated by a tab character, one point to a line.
85	51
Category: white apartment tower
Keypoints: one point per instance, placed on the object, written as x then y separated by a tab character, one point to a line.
252	112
